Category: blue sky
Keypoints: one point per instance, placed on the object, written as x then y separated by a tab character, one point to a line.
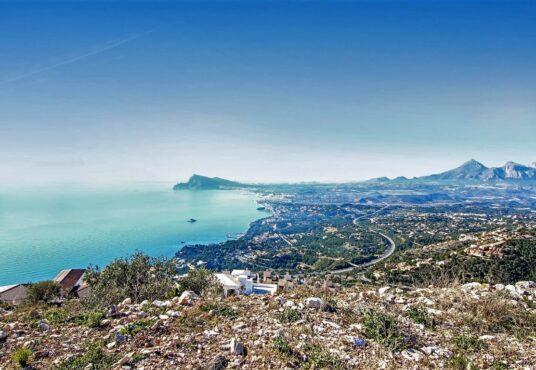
263	91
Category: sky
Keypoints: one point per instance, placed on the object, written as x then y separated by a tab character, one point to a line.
122	92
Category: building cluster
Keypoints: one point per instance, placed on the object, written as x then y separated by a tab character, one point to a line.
238	282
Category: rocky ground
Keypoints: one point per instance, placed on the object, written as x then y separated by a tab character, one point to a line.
364	326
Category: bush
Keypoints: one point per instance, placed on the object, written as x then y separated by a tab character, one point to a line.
91	319
420	315
21	356
289	315
467	342
200	281
281	345
138	277
56	315
383	329
43	292
94	355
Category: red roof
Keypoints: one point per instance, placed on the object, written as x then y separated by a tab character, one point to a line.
68	279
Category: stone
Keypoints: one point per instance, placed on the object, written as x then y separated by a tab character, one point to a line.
163	317
218	363
111	345
126	301
158	303
471	286
237	348
383	290
43	325
187	298
435	351
512	291
359	342
412	354
119	338
112	311
313	302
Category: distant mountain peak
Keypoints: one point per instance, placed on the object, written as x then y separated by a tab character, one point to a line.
474	170
200	182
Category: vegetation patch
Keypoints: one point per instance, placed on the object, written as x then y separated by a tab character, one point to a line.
289	315
94	358
383	329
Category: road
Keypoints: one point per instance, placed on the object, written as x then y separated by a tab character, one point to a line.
387	253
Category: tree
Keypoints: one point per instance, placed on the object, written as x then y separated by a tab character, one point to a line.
137	277
44	291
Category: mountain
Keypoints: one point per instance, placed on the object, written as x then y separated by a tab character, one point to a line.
474	170
198	182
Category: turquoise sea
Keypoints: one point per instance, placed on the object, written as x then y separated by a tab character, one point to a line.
45	230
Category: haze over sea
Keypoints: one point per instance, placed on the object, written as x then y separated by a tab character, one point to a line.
45	230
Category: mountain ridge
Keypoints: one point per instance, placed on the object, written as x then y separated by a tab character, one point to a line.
471	170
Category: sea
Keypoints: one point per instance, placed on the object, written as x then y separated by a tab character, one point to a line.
45	230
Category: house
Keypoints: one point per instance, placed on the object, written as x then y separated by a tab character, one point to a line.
13	294
242	282
70	280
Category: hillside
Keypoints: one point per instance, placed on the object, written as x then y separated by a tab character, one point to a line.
198	182
327	322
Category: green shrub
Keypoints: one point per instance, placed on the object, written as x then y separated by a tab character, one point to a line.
467	342
219	309
200	281
281	345
320	358
93	355
138	277
383	329
91	319
43	292
289	315
137	326
421	316
56	315
21	356
461	362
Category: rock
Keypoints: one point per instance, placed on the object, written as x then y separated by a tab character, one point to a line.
144	303
383	290
218	363
142	315
43	325
359	342
119	338
435	351
125	360
111	345
187	298
314	302
3	336
237	348
471	286
412	354
487	337
513	291
112	311
126	301
158	303
499	287
163	317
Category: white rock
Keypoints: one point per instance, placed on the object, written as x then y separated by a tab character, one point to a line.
471	286
512	291
163	317
436	351
412	354
126	301
158	303
187	298
383	290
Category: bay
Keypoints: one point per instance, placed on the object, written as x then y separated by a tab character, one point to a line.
43	231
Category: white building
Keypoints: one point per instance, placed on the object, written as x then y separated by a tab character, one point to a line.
241	282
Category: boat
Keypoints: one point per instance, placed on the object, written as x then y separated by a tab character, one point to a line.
192	220
261	208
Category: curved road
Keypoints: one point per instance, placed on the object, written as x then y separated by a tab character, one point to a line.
387	253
